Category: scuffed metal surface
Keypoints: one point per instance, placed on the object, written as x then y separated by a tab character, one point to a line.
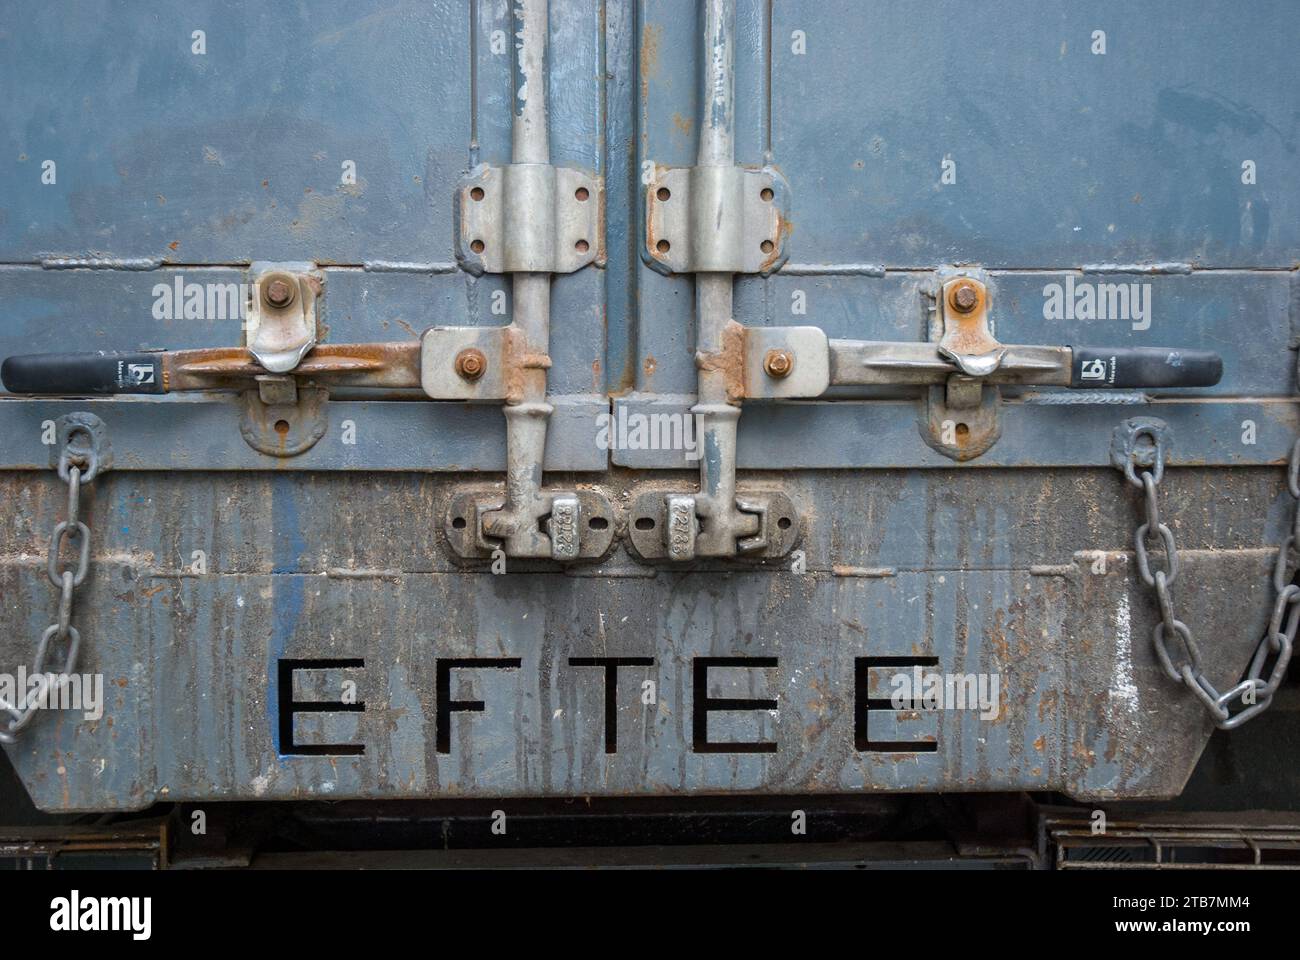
985	577
238	152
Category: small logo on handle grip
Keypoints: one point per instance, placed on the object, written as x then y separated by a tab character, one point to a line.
135	375
1096	370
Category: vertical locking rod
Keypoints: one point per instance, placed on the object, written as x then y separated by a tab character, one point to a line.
715	411
516	523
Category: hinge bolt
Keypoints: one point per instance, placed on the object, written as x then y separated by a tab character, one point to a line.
278	293
471	364
964	297
778	363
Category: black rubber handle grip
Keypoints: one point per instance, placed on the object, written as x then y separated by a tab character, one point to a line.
1114	367
83	373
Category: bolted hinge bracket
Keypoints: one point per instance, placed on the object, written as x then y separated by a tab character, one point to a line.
529	218
716	220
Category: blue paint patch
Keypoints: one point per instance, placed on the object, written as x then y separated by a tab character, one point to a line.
288	546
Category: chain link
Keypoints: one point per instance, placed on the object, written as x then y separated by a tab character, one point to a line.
75	467
1183	665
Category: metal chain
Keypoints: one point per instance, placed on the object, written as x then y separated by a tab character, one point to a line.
75	468
1255	691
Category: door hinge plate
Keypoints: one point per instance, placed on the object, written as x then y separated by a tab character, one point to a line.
716	220
529	218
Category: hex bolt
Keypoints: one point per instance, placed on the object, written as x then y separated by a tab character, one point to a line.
778	363
278	293
964	297
471	364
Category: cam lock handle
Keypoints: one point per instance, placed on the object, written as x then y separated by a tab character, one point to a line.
1128	367
84	373
968	343
881	363
389	365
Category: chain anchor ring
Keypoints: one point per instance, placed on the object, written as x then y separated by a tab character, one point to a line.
81	455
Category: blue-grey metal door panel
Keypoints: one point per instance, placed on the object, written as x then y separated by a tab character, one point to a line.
311	625
1067	147
169	154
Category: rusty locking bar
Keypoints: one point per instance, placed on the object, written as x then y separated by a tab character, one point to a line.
396	365
391	365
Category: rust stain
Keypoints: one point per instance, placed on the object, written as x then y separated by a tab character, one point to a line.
729	361
1046	705
997	637
683	124
1112	750
518	361
784	227
657	246
651	35
967	332
649	365
395	364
